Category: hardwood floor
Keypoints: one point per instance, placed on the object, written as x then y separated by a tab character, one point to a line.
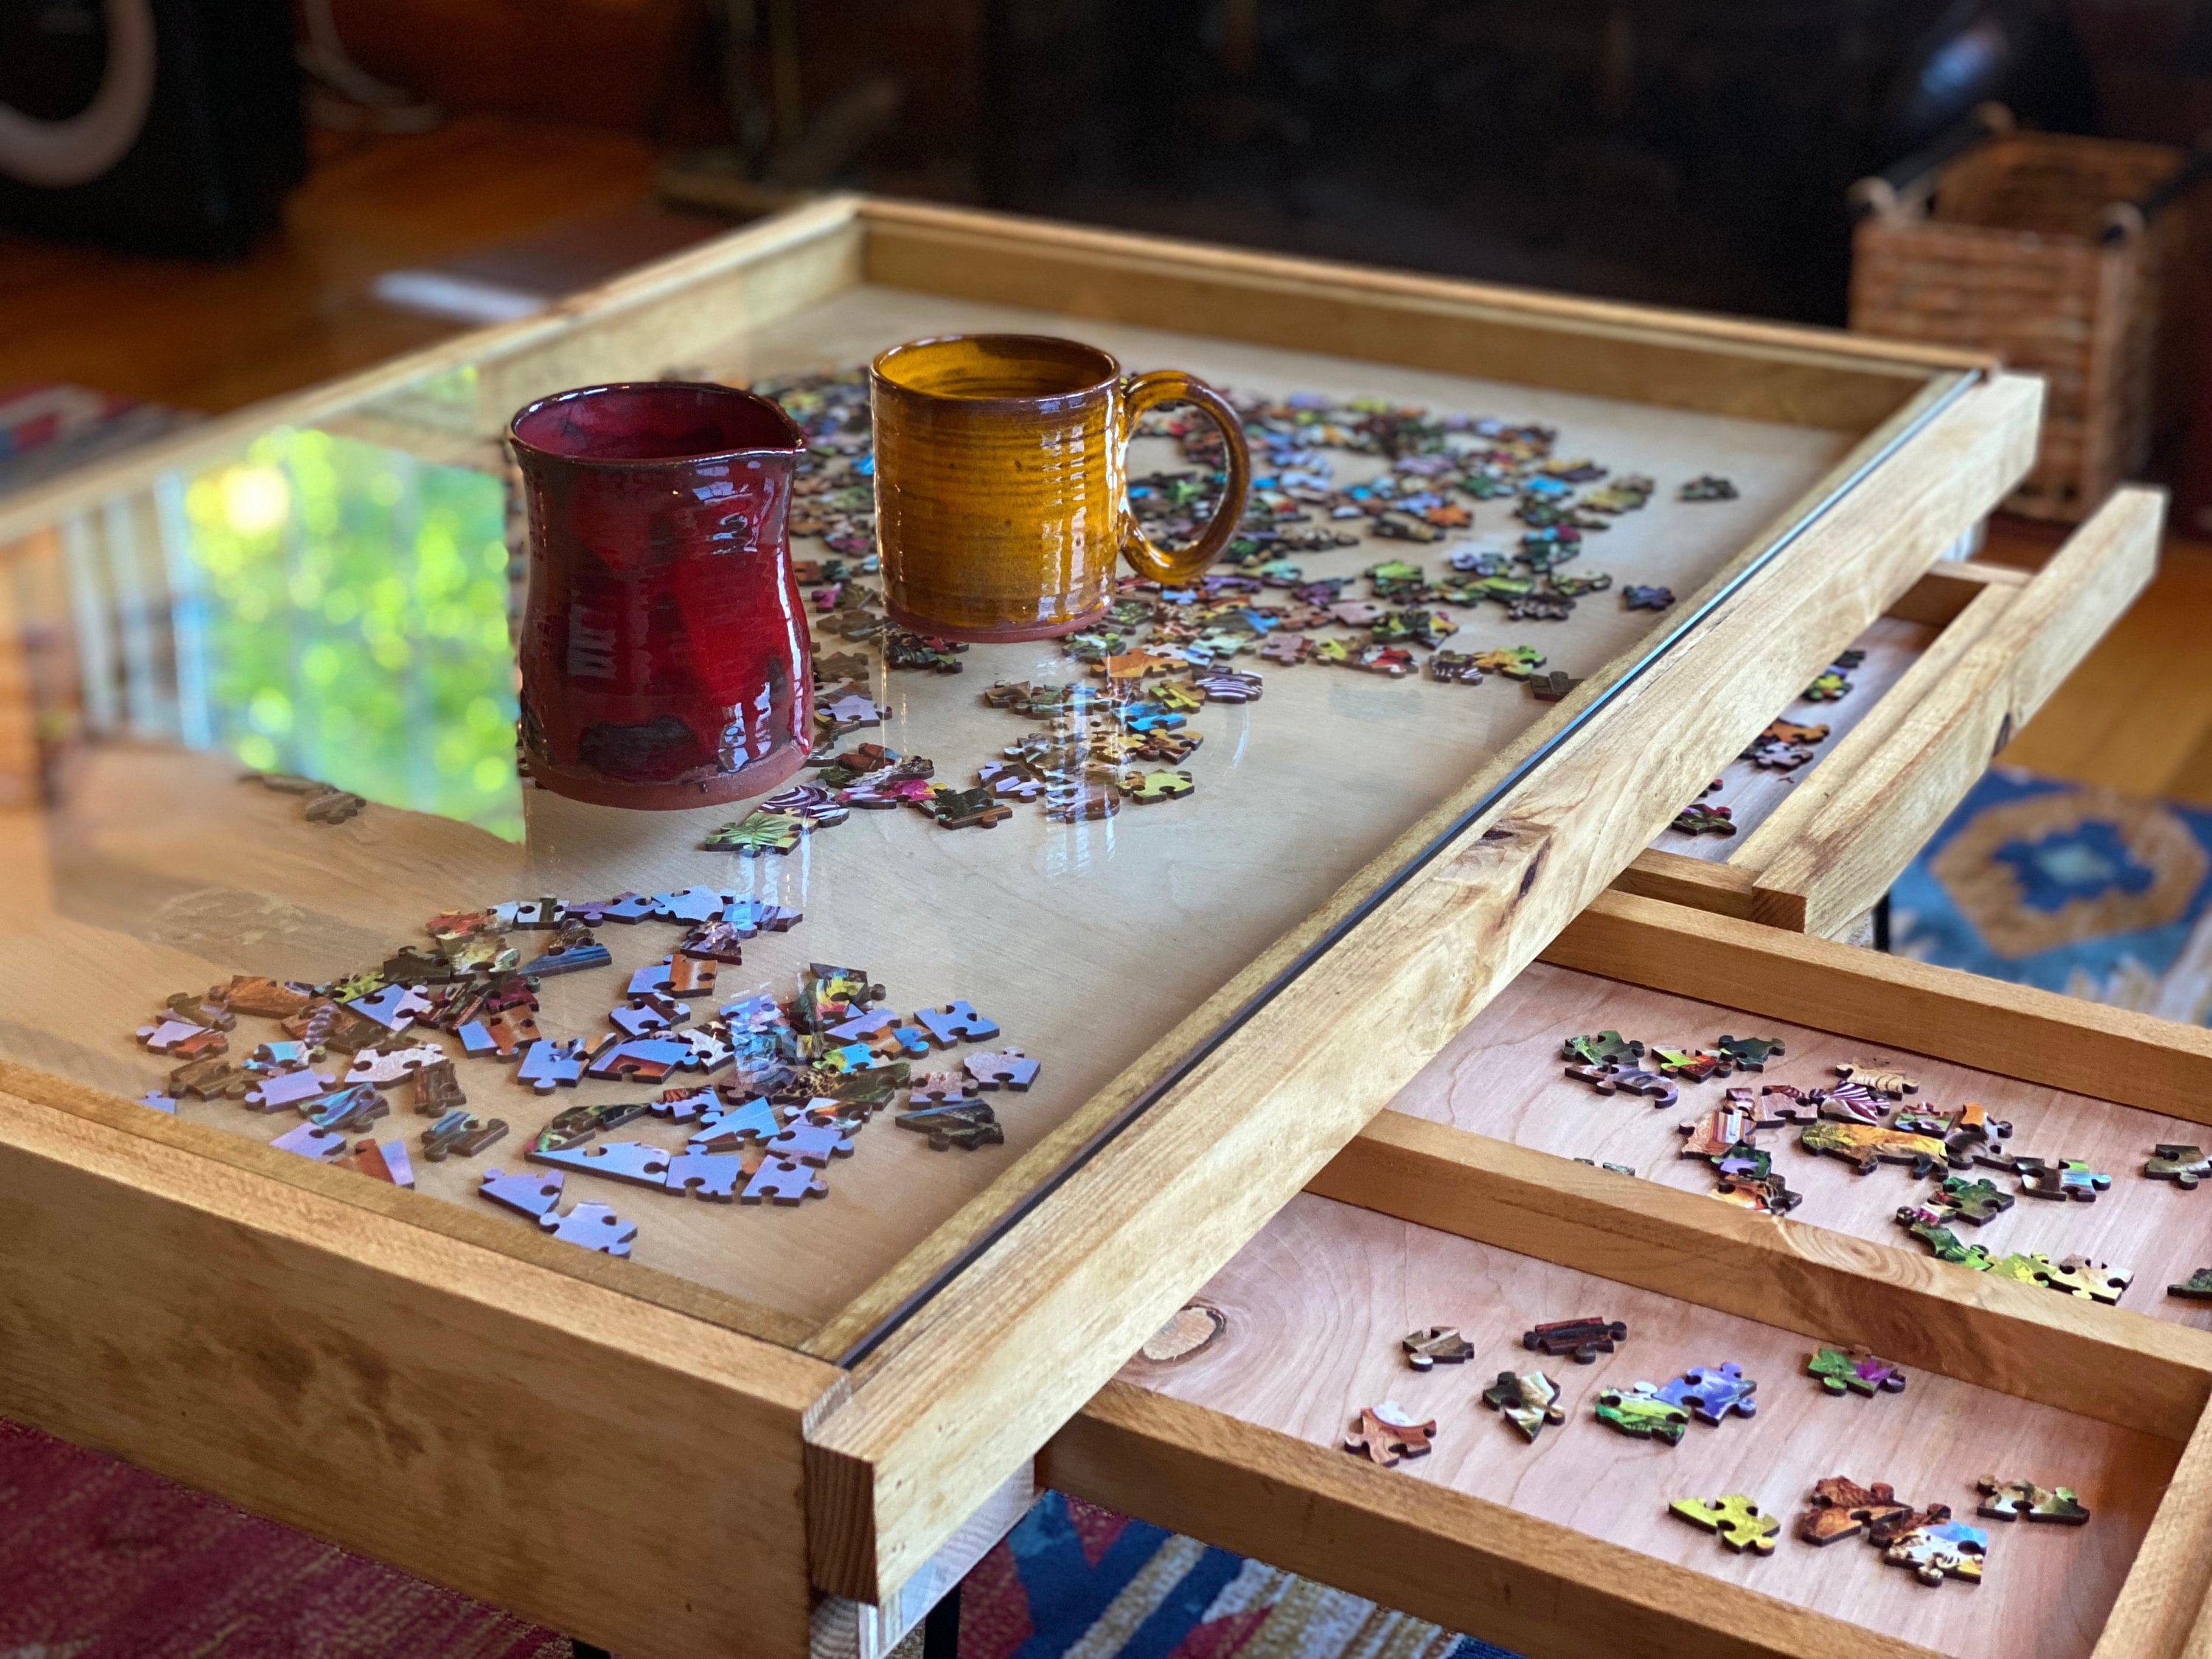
298	310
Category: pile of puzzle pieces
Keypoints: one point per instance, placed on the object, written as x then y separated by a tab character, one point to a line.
1863	1114
802	1074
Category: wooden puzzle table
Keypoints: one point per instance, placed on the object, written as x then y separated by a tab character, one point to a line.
773	1426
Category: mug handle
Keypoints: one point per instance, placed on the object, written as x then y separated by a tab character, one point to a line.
1170	386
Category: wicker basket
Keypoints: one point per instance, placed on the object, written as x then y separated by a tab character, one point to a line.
2004	256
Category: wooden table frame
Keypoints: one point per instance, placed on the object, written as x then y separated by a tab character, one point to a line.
1554	1594
422	1363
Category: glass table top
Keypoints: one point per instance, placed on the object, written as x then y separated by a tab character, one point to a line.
333	601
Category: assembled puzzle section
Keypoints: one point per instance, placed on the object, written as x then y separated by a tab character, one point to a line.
1984	1172
1695	1417
993	823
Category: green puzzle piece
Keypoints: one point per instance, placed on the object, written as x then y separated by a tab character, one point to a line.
2183	1164
758	832
1974	1201
1158	785
1741	1523
1603	1048
1639	1410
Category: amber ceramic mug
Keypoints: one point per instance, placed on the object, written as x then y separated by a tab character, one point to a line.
1001	500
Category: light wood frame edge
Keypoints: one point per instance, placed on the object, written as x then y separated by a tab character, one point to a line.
1833	848
344	1373
1003	1355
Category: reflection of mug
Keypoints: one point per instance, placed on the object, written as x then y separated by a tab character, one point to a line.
665	653
1001	504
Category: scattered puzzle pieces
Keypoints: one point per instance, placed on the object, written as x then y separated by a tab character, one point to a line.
967	1125
2183	1164
1387	1433
783	1181
1864	1146
1880	1078
1699	819
2070	1179
1855	1370
1843	1509
2008	1500
532	1195
1740	1523
1002	1069
957	1022
1528	1401
1604	1049
1749	1054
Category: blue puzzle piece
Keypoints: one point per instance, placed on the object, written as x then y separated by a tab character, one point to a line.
1713	1391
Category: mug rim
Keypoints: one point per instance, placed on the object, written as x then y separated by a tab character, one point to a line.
1038	400
796	433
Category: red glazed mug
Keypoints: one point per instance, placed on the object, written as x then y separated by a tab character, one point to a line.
665	651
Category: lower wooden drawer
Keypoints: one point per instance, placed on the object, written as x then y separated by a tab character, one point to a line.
1482	1200
1959	664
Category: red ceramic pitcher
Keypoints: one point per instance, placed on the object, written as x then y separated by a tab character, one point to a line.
664	652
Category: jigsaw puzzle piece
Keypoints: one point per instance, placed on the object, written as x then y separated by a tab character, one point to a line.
594	1226
1637	1410
783	1181
1713	1391
1740	1523
711	1175
530	1195
1528	1401
547	1065
1855	1370
1387	1433
1435	1344
631	1161
1007	1068
2008	1500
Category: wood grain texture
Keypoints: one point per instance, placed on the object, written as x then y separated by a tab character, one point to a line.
1857	821
1471	1564
935	1419
1501	1078
1315	1306
1764	371
2162	1612
2020	1340
2014	1031
520	1434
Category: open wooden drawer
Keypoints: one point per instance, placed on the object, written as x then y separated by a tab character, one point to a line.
1465	1205
1960	662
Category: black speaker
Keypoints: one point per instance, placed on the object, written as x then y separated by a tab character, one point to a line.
163	126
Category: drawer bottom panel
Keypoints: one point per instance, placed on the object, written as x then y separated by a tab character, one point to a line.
1312	1311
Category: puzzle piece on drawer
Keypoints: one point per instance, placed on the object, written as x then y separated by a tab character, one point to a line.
637	1020
1002	1069
1948	1549
459	1132
1516	662
811	1142
385	1066
1435	1344
1584	1339
182	1040
385	1161
1720	1128
2070	1179
531	1195
2094	1281
1689	1064
354	1107
957	1022
2182	1163
641	1059
311	1142
1843	1509
1855	1370
783	1181
1711	1392
1639	1410
2024	1267
690	976
547	1065
288	1056
2197	1287
1635	1080
1829	686
683	1105
633	1161
2008	1500
1973	1201
1699	819
1387	1433
208	1009
264	998
570	956
154	1100
395	1007
713	1176
1771	756
1864	1146
626	908
1781	1103
1528	1401
1764	1193
281	1089
1740	1523
1749	1054
749	1120
965	1124
1880	1077
1635	598
1151	787
212	1078
1848	1103
504	1034
594	1226
1602	1049
1927	1225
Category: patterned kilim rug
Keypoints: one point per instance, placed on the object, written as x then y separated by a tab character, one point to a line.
99	1560
2071	888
